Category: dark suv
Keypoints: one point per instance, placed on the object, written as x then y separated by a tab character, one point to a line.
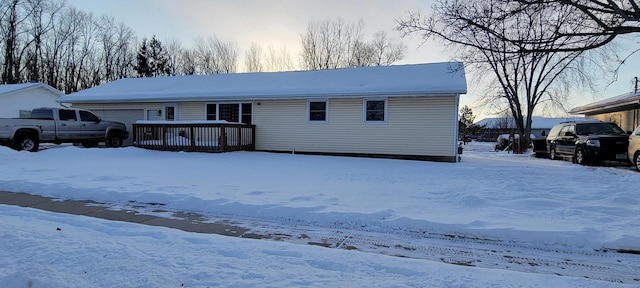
588	141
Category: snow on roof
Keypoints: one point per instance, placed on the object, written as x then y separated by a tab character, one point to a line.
630	98
412	80
537	122
10	88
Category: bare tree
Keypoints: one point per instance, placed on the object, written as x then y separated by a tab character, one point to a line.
386	51
336	44
227	52
603	21
46	41
361	54
522	79
124	54
40	22
215	56
10	21
253	58
187	62
54	47
326	44
174	52
278	60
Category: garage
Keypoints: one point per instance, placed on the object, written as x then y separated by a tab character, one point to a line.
126	116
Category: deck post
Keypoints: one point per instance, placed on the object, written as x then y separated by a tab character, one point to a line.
192	137
163	129
223	137
239	144
253	137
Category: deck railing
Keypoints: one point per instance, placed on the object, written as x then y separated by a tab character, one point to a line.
203	136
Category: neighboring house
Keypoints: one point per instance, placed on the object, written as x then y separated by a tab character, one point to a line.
405	111
540	126
623	110
17	100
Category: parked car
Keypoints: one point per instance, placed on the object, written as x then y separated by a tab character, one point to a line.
60	125
504	141
634	148
589	141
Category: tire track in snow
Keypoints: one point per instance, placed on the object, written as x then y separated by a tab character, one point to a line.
495	254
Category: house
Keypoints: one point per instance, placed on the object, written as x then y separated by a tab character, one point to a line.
404	111
17	100
623	110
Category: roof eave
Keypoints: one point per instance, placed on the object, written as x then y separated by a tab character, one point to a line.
605	108
265	97
36	85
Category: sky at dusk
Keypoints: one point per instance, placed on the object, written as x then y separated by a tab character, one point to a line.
280	23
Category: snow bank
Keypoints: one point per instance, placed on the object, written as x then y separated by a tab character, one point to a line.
489	194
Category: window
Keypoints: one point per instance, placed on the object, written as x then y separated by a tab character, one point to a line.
42	114
67	115
170	113
567	129
246	113
24	113
317	111
211	112
375	110
88	116
229	112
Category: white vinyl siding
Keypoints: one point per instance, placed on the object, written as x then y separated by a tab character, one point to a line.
145	106
192	110
12	103
418	126
627	120
422	126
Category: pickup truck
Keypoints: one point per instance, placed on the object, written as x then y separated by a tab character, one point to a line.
60	125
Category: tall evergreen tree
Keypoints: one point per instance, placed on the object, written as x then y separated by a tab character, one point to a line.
143	68
157	58
465	122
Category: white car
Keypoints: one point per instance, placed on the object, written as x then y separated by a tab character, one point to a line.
634	148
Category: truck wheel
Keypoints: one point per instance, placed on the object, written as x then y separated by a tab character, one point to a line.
26	142
114	139
580	157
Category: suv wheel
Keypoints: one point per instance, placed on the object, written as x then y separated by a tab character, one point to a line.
580	157
552	154
636	160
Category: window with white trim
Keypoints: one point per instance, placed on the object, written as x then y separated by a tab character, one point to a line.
212	111
375	110
232	112
229	112
170	113
246	113
317	111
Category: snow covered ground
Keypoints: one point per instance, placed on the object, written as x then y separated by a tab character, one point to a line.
536	203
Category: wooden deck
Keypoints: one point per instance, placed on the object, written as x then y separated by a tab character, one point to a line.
194	136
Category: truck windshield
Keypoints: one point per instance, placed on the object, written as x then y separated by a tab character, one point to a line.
46	114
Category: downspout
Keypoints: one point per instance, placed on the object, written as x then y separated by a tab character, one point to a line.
456	130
